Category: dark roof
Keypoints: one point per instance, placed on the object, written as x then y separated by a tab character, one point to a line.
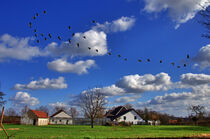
40	114
58	113
118	111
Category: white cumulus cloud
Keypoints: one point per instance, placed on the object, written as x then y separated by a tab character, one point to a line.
63	66
43	84
23	98
180	11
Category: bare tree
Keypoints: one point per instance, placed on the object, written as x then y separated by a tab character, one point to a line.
24	110
92	103
73	112
128	106
205	21
11	112
58	108
197	112
2	101
43	108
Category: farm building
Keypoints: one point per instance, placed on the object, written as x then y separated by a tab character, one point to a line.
34	117
122	114
61	117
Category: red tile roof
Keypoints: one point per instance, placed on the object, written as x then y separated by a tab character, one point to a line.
40	114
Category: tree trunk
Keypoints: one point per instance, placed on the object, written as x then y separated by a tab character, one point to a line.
91	122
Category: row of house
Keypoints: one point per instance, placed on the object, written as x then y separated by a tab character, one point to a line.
118	114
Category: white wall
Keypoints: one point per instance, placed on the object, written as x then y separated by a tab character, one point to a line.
130	117
43	121
60	121
62	114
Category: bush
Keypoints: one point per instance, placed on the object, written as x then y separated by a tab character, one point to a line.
108	124
124	123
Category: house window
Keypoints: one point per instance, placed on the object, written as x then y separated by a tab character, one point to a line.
135	117
60	120
124	117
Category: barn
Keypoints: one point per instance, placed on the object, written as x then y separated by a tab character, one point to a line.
34	117
61	117
122	114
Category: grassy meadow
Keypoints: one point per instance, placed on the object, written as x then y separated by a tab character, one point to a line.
77	132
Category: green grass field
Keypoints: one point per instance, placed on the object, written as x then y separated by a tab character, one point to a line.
68	131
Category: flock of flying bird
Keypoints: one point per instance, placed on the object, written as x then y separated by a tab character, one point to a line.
49	36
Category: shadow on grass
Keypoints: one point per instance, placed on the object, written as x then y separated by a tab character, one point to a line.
184	128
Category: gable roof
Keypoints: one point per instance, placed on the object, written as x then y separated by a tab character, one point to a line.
119	111
58	113
40	114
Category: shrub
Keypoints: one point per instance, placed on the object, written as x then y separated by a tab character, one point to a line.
124	123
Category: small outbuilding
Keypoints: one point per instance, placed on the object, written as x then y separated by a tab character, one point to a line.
122	114
61	117
34	117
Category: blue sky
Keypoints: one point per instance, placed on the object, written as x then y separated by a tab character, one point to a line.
134	29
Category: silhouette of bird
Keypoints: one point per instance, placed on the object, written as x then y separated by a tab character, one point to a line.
139	60
35	30
59	37
172	63
69	40
93	21
185	65
35	35
30	24
37	41
178	67
37	14
119	56
50	35
84	37
161	61
34	17
42	34
125	59
109	53
44	12
89	48
77	44
97	50
148	60
69	27
188	56
73	34
45	38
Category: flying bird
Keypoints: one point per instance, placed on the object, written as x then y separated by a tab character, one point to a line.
59	37
42	34
77	44
139	60
69	40
188	56
125	59
37	14
93	21
119	56
148	60
37	41
30	24
84	37
35	35
69	27
89	48
50	35
97	50
34	17
178	67
44	12
161	61
109	53
185	65
45	38
73	34
35	30
172	63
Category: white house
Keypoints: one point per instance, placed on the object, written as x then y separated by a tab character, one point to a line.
34	117
61	117
121	113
